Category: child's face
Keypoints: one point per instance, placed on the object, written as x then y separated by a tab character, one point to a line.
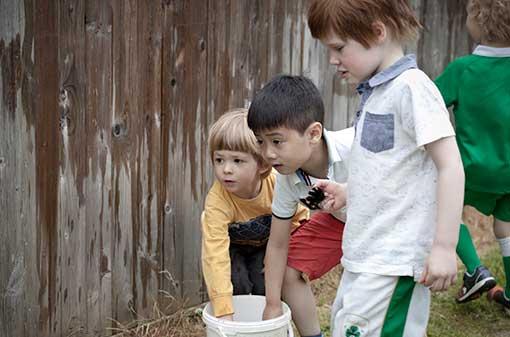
285	149
353	61
238	172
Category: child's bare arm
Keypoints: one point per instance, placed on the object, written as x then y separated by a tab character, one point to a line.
441	266
275	264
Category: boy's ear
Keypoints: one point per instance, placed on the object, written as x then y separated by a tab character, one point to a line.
314	132
380	31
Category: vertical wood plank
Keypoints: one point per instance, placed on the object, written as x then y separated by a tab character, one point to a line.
171	278
47	150
26	175
218	59
149	258
13	275
185	103
435	50
276	34
98	146
238	47
259	46
73	167
126	134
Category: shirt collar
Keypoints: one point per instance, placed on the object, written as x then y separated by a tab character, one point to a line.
333	157
482	50
405	63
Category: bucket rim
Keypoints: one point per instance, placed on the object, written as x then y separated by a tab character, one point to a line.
259	326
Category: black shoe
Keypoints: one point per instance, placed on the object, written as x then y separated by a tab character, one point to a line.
476	284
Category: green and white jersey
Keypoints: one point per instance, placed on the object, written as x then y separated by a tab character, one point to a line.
477	86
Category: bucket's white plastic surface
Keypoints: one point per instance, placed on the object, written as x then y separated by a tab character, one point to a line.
248	320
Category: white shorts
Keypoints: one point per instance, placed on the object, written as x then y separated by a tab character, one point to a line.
380	306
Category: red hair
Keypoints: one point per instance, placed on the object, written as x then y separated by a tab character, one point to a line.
354	19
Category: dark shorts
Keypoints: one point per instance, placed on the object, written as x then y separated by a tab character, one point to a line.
247	269
489	203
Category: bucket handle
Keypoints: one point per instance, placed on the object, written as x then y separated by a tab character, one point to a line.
220	330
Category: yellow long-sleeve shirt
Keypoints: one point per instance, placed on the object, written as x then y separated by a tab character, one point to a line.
222	208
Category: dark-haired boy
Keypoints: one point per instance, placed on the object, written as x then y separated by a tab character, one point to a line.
286	116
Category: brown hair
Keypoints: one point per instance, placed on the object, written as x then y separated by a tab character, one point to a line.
354	19
493	18
231	132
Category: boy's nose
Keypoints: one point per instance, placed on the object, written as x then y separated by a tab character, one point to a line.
227	168
269	154
333	59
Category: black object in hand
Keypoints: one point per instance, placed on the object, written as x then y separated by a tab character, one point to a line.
314	198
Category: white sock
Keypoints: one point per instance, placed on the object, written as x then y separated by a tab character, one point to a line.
504	244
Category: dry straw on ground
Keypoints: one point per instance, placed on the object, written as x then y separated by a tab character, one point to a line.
186	322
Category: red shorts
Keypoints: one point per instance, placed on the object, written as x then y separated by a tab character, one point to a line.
315	247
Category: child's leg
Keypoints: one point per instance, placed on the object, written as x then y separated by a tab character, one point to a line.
298	295
256	270
239	271
477	278
502	232
314	249
375	305
466	250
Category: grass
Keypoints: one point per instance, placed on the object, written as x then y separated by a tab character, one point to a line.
183	323
479	318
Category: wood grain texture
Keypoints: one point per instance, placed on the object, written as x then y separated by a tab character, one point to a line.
105	107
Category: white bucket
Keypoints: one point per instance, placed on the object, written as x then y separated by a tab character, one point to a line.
248	320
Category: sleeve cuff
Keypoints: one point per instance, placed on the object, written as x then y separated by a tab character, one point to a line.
222	305
284	217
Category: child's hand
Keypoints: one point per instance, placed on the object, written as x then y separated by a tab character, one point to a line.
272	311
440	269
335	195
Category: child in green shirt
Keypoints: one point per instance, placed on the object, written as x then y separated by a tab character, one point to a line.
477	87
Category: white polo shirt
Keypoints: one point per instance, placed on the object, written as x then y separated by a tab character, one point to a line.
392	186
290	188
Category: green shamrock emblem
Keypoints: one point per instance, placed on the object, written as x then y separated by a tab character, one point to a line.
353	331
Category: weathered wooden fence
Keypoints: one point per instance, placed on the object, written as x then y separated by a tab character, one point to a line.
104	111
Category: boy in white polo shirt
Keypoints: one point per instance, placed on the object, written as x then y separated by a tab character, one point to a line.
405	186
286	116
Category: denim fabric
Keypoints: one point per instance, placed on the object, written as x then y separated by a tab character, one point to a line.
253	230
378	132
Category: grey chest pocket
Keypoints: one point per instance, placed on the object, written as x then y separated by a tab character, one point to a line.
378	132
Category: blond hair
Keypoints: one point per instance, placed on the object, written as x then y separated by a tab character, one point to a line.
354	19
231	133
493	18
